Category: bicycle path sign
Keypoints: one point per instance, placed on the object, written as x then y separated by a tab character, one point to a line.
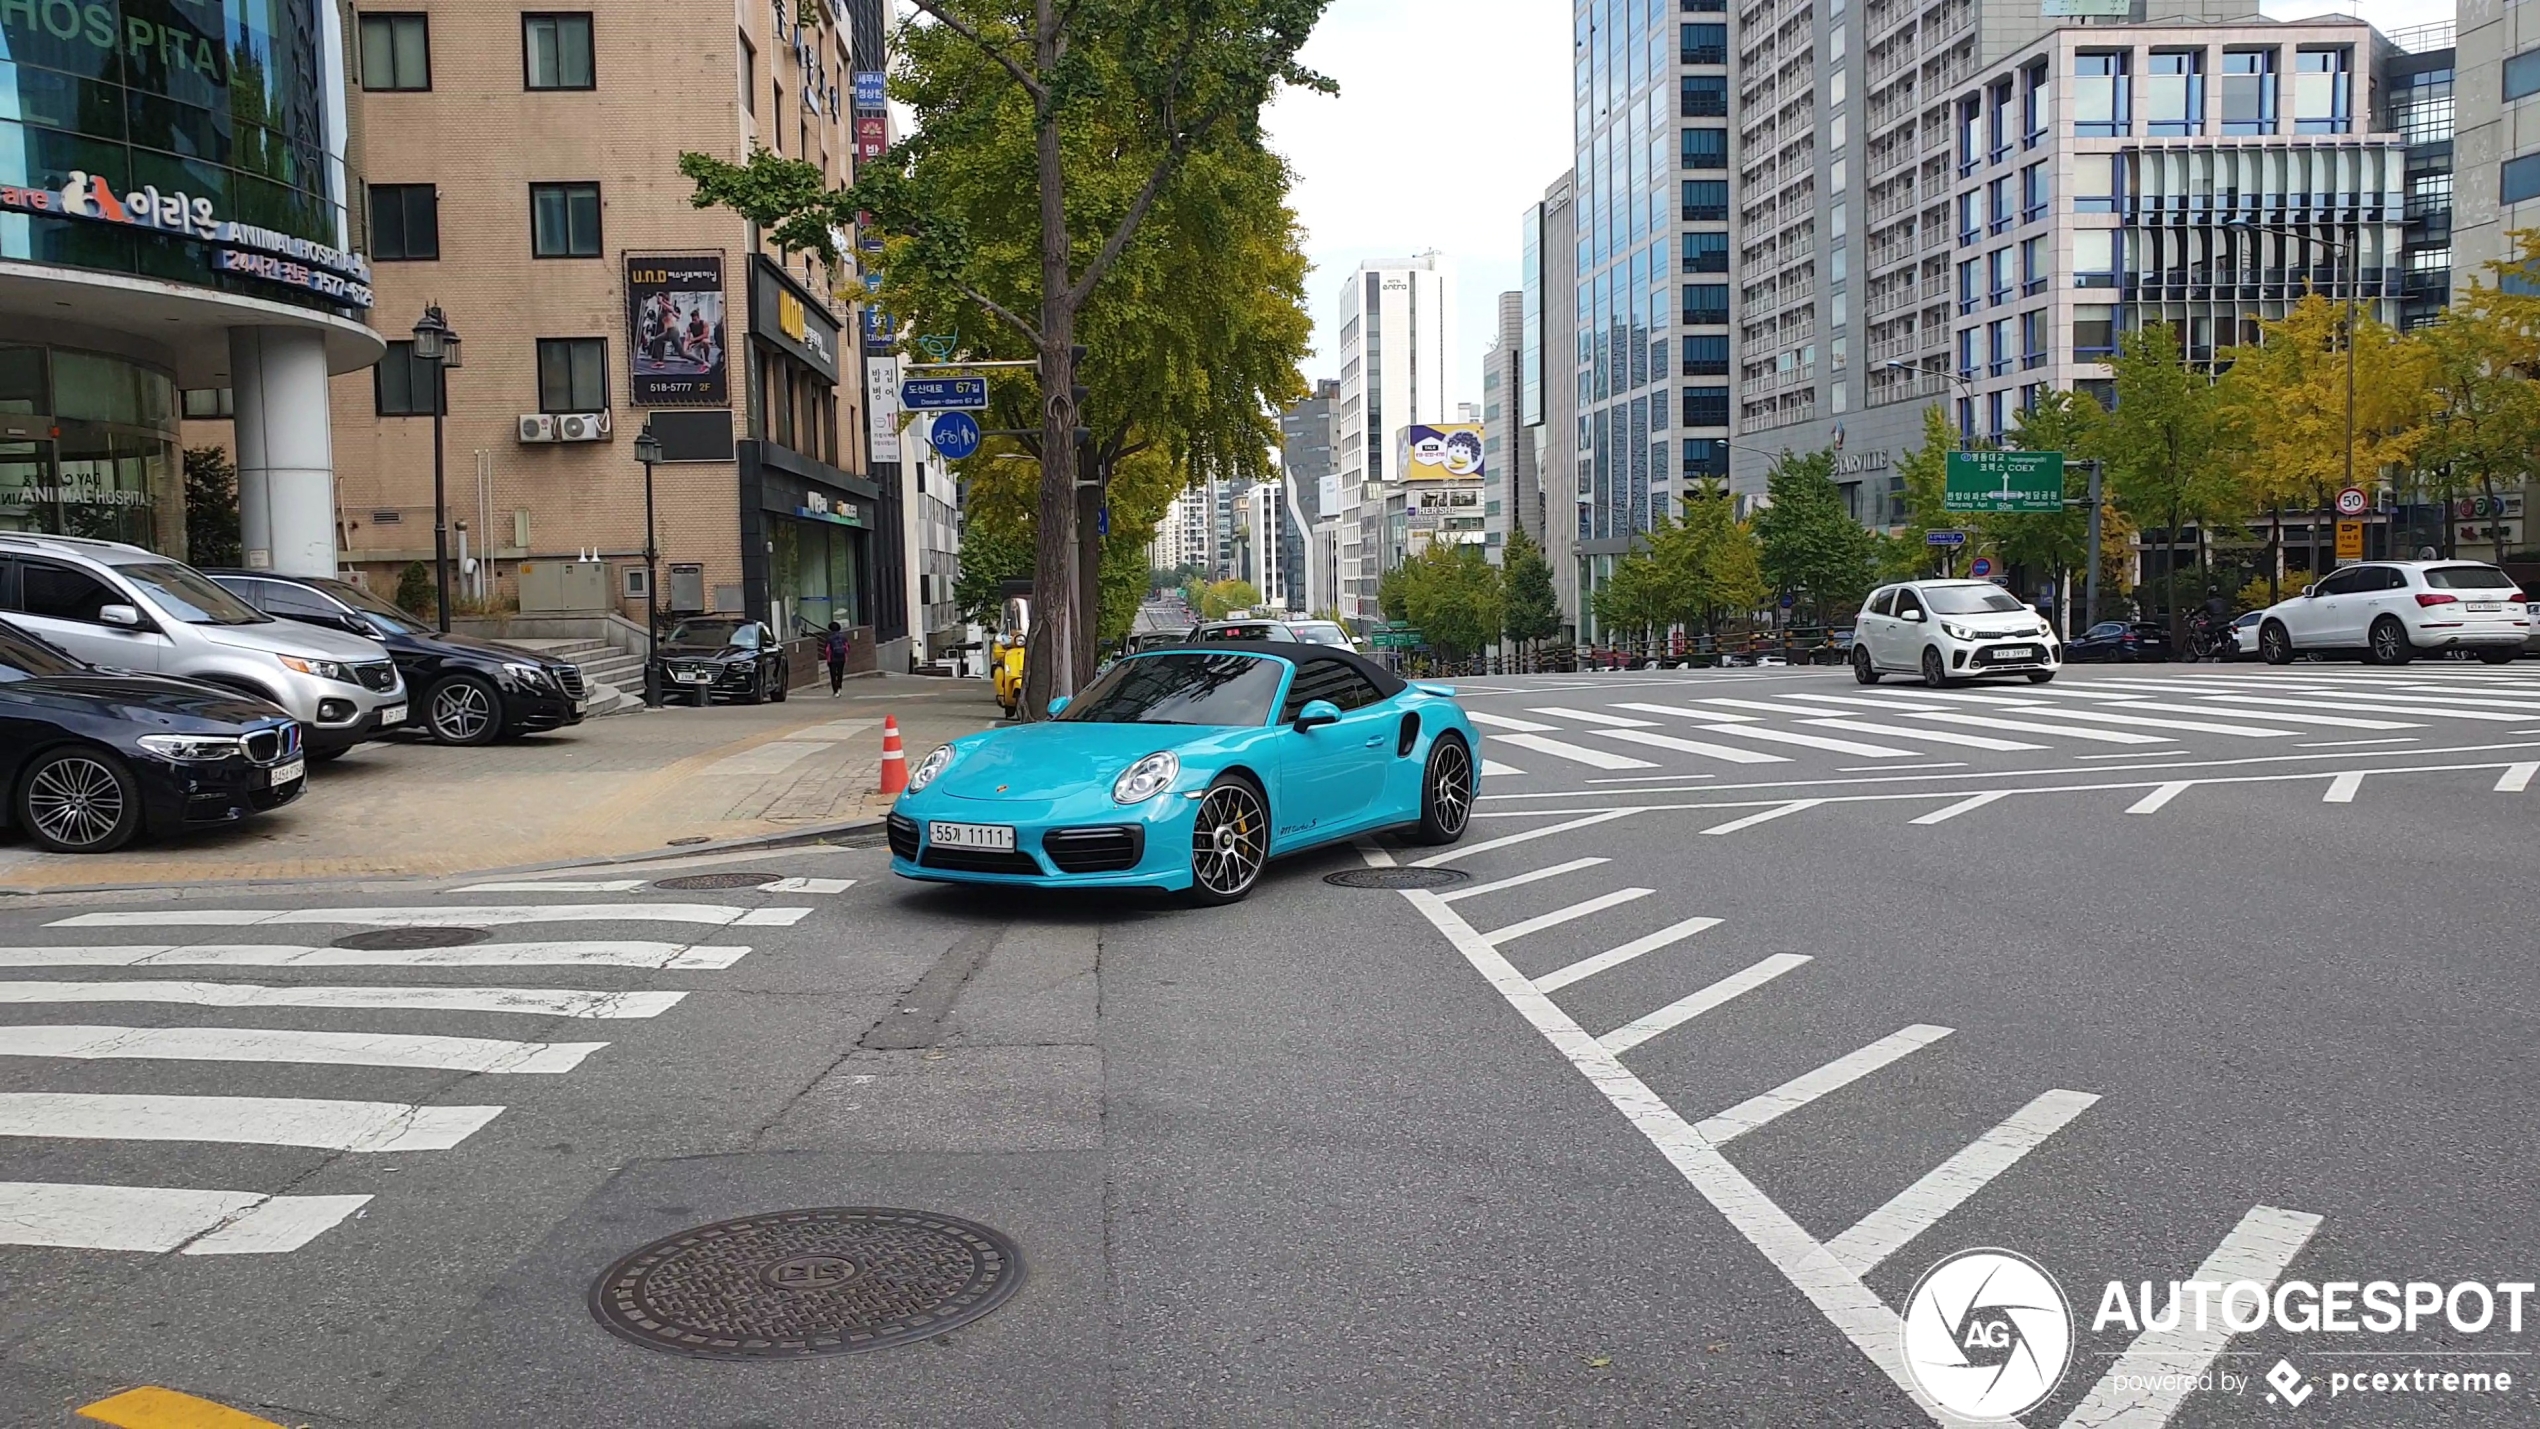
2004	481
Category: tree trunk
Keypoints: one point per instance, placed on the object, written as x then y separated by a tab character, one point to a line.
1089	557
1051	668
2275	553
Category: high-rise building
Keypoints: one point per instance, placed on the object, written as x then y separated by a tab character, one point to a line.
1397	339
2497	179
1551	387
1306	450
1508	474
2419	101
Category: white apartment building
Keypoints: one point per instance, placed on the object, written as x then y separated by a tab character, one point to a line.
1398	354
2497	144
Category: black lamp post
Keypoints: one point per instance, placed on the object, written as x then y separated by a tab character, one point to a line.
648	451
438	347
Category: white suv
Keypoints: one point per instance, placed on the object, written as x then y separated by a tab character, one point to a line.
1947	631
2389	612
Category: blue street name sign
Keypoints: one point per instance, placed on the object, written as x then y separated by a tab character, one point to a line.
944	394
870	89
1944	538
954	435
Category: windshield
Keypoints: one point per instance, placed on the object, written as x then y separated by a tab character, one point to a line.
2468	578
1970	600
189	595
24	657
1321	632
1181	689
715	633
388	618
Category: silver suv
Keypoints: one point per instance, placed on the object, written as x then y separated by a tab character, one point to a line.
129	609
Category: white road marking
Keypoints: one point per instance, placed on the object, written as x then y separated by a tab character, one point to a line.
446	915
2341	790
1505	840
1777	811
2014	701
1493	769
1521	880
2131	754
1592	717
1966	805
1683	1010
2516	779
2023	726
1819	741
1522	726
244	1121
2248	731
1890	768
1644	779
2145	1386
1696	746
1928	736
1689	712
809	885
562	885
2357	743
286	955
2158	799
2279	717
1576	754
1953	1182
1501	937
157	1219
539	1001
2341	704
1616	957
1834	1076
293	1046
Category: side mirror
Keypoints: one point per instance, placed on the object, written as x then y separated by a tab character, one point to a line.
123	615
1057	704
1915	616
2306	591
1316	714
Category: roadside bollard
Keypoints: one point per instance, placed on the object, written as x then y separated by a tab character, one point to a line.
894	761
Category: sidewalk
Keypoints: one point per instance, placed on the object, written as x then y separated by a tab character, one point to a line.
619	785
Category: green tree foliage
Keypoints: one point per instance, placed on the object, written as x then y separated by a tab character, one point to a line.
1812	545
414	591
211	508
2483	361
992	553
1695	572
1907	555
1533	611
1219	599
2058	541
1452	594
2170	449
1393	595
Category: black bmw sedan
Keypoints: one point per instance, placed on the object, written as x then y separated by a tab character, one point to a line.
90	759
466	690
708	655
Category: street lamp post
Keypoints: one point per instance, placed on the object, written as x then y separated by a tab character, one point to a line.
437	346
648	452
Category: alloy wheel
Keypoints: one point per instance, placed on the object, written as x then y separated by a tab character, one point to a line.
76	801
1230	840
2389	643
1451	787
461	712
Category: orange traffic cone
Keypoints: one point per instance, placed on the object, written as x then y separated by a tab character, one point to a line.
894	760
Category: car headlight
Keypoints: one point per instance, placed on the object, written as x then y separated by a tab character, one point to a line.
323	669
1956	632
529	675
192	748
928	767
1146	778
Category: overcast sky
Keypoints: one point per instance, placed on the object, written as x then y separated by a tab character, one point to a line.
1453	117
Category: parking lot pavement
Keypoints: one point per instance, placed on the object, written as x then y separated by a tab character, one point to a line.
618	785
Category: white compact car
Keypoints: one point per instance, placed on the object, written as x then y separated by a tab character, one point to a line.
1948	631
2390	612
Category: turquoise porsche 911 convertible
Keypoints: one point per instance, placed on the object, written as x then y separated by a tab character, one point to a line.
1189	770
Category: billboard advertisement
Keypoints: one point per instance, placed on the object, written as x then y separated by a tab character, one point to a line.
674	309
1442	451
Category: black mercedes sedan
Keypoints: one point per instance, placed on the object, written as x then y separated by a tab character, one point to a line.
466	690
707	655
91	759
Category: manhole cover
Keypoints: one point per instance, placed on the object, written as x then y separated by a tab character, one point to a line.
389	940
792	1284
1396	877
699	882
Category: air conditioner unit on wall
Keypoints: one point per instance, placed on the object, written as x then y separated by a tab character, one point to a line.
537	427
582	427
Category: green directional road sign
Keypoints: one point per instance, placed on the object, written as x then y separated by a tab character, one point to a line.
1395	636
2005	481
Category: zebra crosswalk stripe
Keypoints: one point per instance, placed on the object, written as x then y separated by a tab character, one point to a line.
536	1001
160	1219
293	1046
287	955
357	1126
445	915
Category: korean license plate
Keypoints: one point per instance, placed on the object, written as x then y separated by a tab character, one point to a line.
2486	607
392	714
988	836
692	677
581	707
282	774
2016	652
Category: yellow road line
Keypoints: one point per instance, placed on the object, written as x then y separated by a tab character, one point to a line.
151	1407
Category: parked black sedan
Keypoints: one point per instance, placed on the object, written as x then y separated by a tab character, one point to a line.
2124	641
730	655
466	690
90	759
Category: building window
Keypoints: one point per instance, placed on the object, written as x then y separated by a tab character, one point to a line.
1706	148
1706	406
206	404
1970	217
1998	197
2001	355
405	223
1970	285
2102	104
2094	333
2036	104
1703	96
401	386
2248	92
2522	74
1998	121
2037	190
2520	181
564	222
1705	354
1999	262
556	51
2320	92
1706	252
1967	352
2176	93
1705	458
1706	200
1704	44
2033	265
2095	258
749	77
396	52
573	374
1970	135
2098	180
2033	338
1706	303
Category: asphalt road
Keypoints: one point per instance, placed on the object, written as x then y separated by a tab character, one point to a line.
1765	993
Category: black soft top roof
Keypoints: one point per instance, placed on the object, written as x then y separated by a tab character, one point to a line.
1296	652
